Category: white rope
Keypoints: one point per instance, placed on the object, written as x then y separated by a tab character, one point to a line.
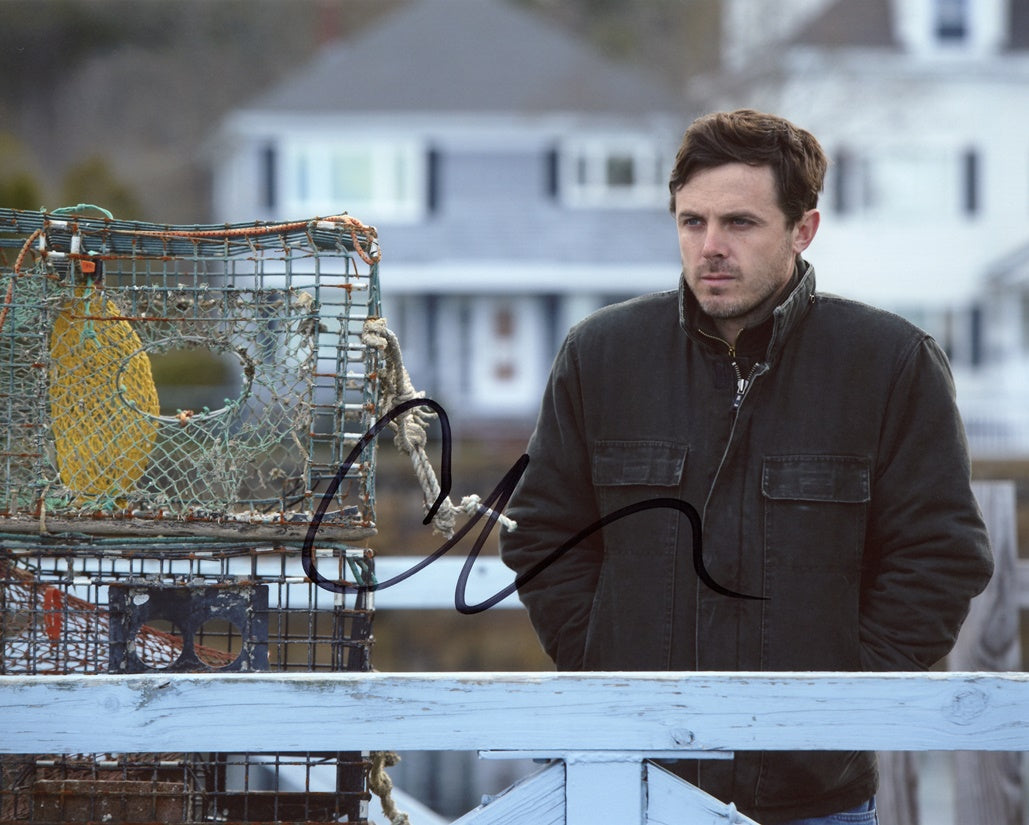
411	430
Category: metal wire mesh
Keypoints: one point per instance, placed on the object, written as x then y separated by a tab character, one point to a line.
90	437
96	605
186	788
140	533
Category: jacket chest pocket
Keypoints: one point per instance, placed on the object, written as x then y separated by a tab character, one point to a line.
630	621
815	512
627	473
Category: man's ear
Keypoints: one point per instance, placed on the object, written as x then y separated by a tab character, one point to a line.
804	231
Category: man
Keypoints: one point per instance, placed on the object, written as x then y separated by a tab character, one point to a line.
818	439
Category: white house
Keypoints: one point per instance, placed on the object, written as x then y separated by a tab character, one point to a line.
923	106
517	180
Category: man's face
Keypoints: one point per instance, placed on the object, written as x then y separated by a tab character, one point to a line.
737	251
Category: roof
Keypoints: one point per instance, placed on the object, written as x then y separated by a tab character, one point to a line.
1018	33
870	24
848	24
467	56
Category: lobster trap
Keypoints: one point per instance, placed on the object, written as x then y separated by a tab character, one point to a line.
93	307
96	605
148	525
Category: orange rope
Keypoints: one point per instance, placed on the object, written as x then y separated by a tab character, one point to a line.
9	297
350	223
53	605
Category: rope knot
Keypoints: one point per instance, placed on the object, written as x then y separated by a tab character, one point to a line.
381	785
412	426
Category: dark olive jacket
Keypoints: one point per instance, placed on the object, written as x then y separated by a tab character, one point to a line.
826	458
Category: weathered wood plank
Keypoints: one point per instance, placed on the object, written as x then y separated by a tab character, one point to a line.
991	783
1022	580
989	639
668	797
539	799
897	799
604	790
513	711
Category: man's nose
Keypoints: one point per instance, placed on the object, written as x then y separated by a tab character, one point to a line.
714	243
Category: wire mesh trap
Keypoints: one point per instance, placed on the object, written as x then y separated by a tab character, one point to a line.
146	530
84	606
94	308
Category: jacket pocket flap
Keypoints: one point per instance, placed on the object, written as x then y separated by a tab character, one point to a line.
843	479
657	463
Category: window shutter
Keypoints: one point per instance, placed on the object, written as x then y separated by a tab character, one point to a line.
269	189
551	177
970	187
432	170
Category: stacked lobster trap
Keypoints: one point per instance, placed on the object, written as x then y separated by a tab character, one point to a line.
142	529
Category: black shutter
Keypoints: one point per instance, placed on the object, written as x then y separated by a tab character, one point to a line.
269	189
843	172
432	195
551	177
970	175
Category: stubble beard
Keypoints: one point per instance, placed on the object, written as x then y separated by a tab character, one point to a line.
758	301
716	301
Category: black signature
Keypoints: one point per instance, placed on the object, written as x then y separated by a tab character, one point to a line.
491	508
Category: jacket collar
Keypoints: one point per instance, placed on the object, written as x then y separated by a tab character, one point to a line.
766	338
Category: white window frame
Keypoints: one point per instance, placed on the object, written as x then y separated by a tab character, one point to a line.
585	165
396	178
877	186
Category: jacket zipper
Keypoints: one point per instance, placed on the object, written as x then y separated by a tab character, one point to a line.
742	384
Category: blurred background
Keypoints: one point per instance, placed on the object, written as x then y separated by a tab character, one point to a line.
513	155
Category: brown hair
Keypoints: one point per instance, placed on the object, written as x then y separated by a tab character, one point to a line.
746	136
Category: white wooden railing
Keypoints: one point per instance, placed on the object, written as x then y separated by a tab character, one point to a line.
600	728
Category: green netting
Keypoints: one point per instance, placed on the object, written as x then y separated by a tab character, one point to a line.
106	330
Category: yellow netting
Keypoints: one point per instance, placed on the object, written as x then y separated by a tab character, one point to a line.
103	402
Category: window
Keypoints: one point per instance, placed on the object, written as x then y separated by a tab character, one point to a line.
352	175
951	19
503	323
914	183
505	362
621	171
373	180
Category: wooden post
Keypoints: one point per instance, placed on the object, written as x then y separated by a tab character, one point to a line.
599	789
989	785
897	800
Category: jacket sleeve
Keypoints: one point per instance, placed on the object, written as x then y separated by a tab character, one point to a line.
928	551
552	503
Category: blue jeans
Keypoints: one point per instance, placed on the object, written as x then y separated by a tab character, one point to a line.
863	814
